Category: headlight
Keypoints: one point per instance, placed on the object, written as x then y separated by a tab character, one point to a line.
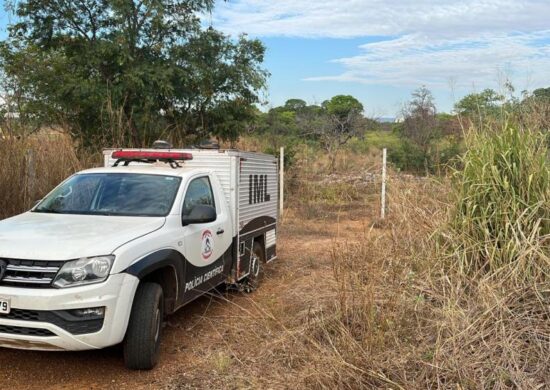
84	271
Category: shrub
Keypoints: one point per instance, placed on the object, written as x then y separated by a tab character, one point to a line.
402	153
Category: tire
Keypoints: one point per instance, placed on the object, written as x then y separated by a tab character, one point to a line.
142	341
257	263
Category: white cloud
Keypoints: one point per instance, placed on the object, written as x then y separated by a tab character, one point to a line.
428	42
416	59
356	18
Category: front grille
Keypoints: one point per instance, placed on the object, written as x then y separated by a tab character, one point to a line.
62	318
25	331
23	315
30	273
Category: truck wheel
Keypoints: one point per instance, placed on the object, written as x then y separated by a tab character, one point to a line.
142	341
257	263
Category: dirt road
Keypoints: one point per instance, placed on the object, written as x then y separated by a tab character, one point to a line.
227	340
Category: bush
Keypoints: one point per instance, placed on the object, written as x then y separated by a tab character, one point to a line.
402	153
447	152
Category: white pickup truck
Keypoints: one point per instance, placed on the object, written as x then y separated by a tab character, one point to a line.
111	251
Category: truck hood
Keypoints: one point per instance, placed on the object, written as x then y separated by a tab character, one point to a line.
42	236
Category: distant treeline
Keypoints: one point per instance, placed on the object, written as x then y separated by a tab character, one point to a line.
421	139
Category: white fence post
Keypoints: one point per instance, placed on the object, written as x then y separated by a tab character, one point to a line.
383	200
281	180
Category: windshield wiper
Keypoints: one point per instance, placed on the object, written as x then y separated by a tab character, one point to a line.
52	211
99	213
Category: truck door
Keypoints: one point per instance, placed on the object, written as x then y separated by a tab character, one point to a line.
206	245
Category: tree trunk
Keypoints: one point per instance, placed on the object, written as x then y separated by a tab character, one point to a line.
332	156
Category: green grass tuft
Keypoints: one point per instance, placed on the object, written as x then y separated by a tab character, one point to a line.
501	221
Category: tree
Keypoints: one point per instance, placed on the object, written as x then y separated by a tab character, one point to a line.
542	94
279	121
478	106
420	119
295	105
147	66
340	119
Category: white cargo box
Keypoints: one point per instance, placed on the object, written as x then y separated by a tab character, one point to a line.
249	181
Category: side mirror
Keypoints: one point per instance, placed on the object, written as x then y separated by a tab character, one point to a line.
199	214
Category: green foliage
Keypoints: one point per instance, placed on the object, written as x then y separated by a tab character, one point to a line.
480	105
377	140
446	152
408	157
403	154
295	105
425	142
229	118
290	153
542	94
331	125
139	68
278	121
502	211
343	106
291	143
341	119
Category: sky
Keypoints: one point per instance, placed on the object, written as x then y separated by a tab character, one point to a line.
381	50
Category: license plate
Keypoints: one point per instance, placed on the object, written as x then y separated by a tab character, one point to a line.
5	306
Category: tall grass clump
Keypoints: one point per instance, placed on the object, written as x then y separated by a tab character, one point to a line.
501	222
30	167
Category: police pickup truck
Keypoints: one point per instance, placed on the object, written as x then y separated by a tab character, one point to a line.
109	252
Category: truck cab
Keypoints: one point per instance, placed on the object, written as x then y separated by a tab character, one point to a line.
110	251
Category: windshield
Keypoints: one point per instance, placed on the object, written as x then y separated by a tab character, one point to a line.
125	194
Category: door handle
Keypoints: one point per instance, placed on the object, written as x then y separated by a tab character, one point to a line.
220	231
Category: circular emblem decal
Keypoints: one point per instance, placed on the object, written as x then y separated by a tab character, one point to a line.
207	244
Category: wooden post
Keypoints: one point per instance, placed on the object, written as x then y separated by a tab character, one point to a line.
383	199
281	180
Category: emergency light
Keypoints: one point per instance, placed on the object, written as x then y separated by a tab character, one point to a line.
143	155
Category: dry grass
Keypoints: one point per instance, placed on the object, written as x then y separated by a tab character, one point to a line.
31	167
391	312
405	314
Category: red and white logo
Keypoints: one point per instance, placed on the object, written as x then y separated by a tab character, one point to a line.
207	245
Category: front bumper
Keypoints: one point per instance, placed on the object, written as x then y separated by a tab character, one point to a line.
116	294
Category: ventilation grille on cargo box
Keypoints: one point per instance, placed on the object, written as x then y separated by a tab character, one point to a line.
30	273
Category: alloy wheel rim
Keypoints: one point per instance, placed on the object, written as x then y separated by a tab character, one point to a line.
255	265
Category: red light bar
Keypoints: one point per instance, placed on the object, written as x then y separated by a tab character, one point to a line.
139	155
